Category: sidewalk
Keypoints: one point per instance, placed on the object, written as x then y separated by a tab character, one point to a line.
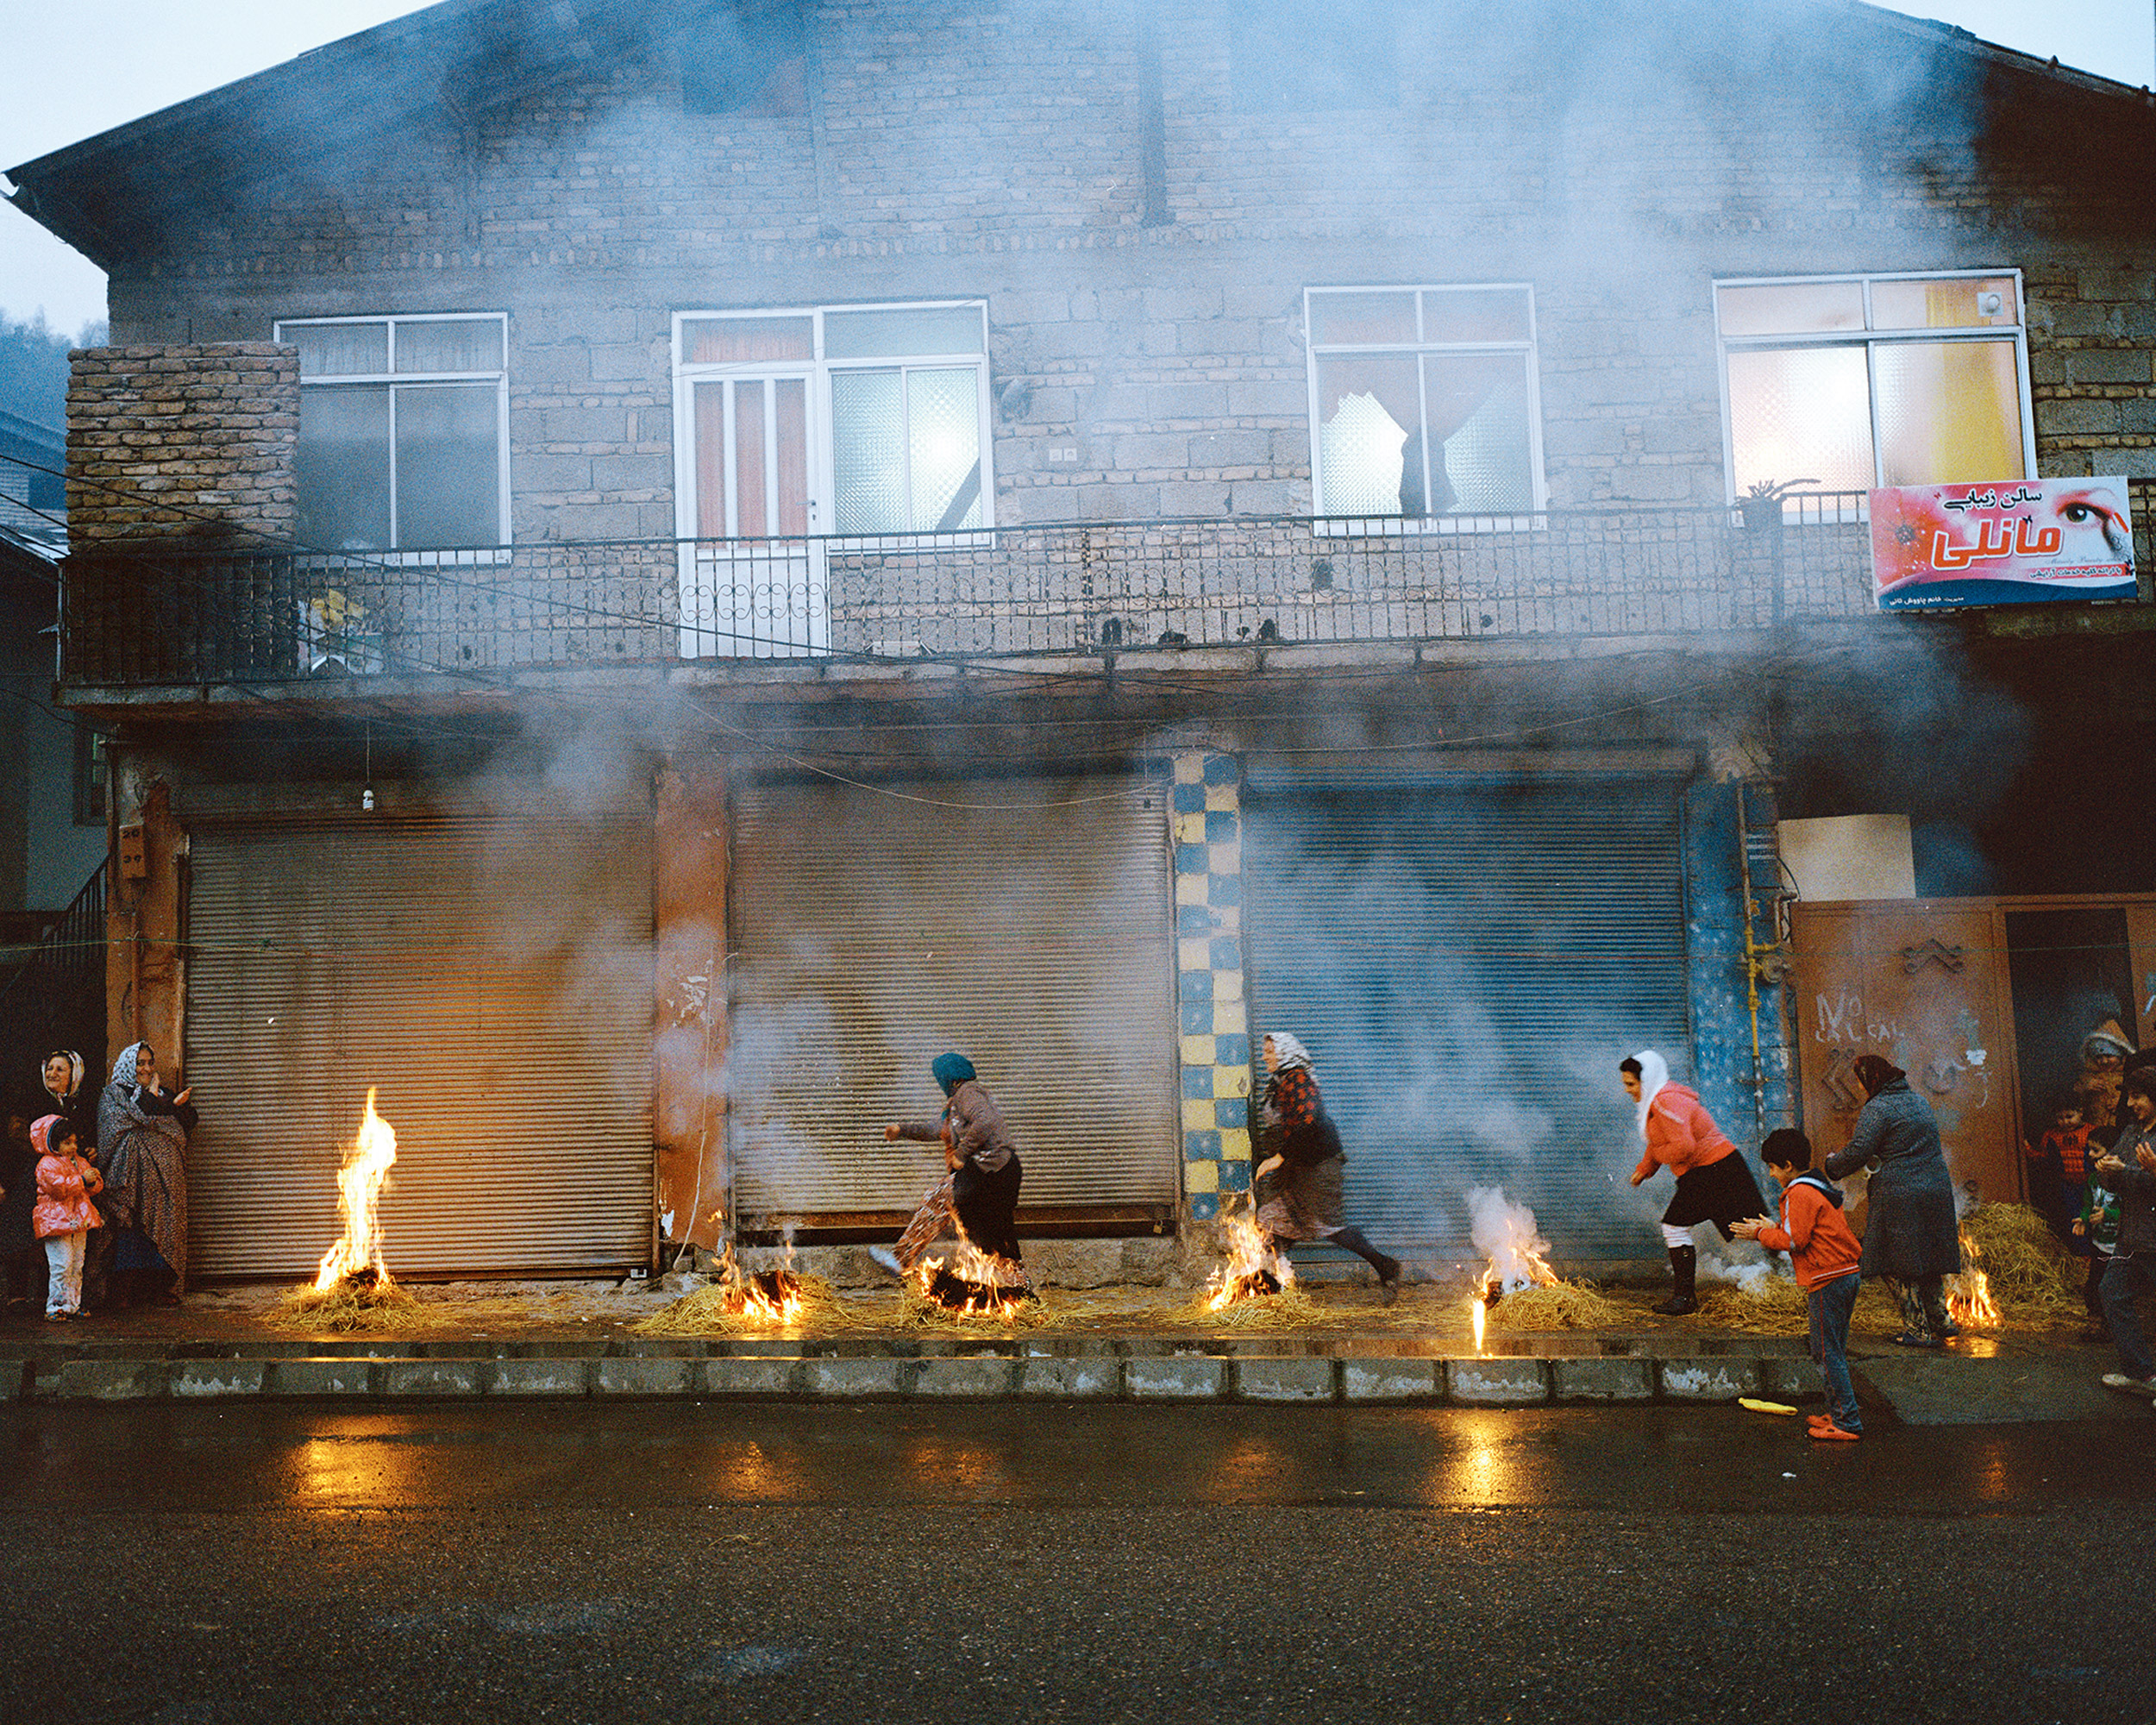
551	1340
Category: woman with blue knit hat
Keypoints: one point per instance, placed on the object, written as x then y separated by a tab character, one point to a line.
980	1191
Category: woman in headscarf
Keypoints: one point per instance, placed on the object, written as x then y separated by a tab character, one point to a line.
1303	1201
1713	1183
1910	1235
142	1141
61	1076
979	1189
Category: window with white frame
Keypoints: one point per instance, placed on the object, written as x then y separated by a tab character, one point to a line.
858	421
1425	401
403	431
1843	383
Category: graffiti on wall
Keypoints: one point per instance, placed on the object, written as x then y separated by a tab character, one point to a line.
1947	1060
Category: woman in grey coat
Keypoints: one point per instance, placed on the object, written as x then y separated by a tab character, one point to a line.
1911	1236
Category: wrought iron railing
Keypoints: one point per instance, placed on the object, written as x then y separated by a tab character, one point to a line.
142	616
55	997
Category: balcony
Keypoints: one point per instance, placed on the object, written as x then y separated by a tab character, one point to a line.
143	617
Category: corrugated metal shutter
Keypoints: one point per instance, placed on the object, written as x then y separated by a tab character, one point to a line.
1467	963
492	977
873	932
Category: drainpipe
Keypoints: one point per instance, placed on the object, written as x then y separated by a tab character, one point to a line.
1764	961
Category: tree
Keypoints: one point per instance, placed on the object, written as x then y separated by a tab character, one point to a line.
33	368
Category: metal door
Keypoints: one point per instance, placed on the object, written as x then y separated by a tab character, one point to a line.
753	584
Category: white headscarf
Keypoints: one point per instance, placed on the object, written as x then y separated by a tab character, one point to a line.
74	1074
1289	1053
1654	1073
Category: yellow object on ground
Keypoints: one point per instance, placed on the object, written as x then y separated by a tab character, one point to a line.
1759	1407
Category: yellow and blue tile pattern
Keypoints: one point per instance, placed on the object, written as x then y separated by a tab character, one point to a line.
1215	1052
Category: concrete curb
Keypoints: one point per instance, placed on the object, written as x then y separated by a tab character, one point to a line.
993	1372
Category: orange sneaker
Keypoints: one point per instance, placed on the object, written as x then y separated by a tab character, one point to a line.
1829	1430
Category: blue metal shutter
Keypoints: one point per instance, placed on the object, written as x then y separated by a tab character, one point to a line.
1468	961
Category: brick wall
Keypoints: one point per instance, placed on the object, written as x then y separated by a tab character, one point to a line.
995	149
177	440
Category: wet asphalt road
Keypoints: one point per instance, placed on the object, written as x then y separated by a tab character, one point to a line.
673	1562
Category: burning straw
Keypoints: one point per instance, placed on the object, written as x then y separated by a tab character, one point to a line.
720	1310
2011	1257
352	1302
352	1289
746	1301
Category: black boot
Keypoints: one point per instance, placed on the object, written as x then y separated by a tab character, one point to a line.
1388	1269
1684	1264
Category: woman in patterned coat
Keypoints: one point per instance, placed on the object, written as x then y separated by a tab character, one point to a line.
1303	1201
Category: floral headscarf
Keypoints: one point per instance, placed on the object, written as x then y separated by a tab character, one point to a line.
123	1067
1289	1053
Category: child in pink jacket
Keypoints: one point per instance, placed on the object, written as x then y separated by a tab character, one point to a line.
63	1215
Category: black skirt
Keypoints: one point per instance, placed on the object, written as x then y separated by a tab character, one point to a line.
1721	1193
987	1206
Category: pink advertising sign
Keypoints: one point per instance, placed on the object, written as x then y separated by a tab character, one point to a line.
2015	542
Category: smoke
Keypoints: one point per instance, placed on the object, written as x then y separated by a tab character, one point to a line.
1504	1233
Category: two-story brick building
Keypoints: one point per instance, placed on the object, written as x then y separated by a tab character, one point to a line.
1074	533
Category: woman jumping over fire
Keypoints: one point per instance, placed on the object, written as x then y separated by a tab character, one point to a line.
1304	1201
981	1190
1713	1183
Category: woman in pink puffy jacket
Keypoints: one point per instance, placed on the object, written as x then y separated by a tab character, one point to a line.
63	1215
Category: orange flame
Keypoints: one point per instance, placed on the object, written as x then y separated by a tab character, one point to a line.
1479	1306
774	1295
359	1188
1969	1302
976	1268
1250	1259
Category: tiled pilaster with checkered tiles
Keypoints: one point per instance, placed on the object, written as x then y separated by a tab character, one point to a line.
1215	1045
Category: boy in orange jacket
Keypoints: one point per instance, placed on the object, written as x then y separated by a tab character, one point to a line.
1824	1255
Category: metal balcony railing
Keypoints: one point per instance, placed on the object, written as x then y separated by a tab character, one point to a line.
148	616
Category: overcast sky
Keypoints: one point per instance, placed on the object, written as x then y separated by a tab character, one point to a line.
82	66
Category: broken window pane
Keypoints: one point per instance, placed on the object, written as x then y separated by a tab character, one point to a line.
1368	406
944	437
1478	419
